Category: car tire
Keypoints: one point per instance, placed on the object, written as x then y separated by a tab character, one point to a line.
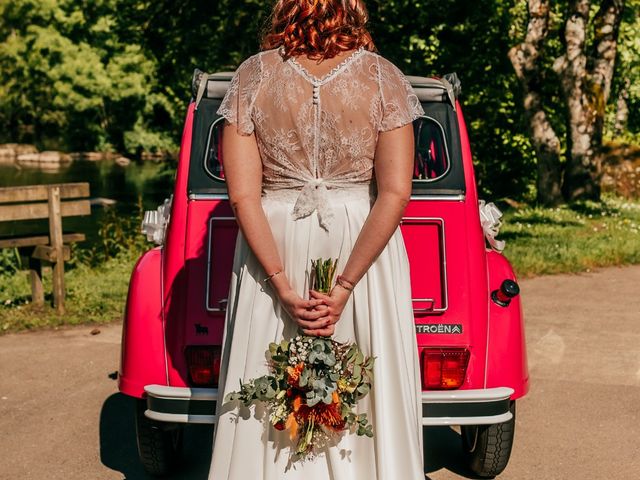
159	443
487	448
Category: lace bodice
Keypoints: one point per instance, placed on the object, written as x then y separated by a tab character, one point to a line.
317	134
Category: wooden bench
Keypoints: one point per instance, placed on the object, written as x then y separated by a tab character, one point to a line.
40	202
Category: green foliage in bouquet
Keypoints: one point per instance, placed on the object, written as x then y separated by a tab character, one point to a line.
312	389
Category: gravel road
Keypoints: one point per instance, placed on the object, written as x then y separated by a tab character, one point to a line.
61	416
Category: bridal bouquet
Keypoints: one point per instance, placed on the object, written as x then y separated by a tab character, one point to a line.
314	383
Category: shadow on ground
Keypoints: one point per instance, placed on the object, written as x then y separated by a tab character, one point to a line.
443	450
118	450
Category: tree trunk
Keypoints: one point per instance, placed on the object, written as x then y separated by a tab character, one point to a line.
622	109
586	81
524	58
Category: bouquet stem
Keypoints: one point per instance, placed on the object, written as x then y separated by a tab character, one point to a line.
322	273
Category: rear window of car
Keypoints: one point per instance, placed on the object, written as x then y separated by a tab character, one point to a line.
213	156
431	159
437	169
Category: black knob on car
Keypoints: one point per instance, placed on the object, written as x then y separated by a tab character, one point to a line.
508	289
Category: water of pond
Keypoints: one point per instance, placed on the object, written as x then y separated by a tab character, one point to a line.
146	182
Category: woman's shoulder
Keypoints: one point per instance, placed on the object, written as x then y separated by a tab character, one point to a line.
257	62
250	64
386	67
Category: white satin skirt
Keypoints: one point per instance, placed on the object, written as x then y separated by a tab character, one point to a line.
378	316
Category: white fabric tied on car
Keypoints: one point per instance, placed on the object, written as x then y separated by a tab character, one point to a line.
154	223
490	221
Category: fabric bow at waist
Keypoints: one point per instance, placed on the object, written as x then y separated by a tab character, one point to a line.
313	194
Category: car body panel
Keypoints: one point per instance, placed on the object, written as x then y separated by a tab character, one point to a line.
143	352
452	275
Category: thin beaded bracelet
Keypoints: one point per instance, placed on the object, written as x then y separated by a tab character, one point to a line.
265	280
344	283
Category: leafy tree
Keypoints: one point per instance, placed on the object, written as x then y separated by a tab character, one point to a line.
68	81
426	38
115	74
181	36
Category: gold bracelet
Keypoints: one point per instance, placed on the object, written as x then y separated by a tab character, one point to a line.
341	281
271	276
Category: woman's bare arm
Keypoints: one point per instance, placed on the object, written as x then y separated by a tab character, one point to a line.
243	173
393	169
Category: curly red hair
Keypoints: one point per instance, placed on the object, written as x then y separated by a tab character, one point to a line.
318	29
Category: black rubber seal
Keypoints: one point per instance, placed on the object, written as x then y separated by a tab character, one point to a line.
465	409
181	407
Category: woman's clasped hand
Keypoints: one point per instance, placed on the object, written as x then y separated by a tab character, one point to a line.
318	315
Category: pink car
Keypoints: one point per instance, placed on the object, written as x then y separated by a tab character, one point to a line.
467	312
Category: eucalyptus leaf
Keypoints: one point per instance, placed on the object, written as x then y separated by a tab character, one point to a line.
312	398
304	377
363	389
232	397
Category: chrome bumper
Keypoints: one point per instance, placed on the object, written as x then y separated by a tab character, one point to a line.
442	407
466	407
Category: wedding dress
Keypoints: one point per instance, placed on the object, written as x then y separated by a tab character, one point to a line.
317	138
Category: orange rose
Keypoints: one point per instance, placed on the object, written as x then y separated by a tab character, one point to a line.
294	374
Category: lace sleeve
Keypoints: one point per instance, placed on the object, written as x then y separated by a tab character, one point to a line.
237	104
400	105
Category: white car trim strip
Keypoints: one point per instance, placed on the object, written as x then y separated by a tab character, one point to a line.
179	417
463	396
181	393
433	421
427	197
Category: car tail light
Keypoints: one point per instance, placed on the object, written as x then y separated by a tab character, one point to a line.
203	362
444	368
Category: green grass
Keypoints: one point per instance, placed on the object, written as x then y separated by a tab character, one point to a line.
573	238
95	295
96	279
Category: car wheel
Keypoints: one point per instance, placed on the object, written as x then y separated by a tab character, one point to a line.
159	443
487	448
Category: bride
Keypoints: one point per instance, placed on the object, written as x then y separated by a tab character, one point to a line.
318	157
